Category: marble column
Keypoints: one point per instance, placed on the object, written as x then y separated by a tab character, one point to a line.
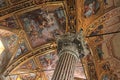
68	53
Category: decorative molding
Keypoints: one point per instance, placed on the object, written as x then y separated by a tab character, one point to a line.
71	14
16	8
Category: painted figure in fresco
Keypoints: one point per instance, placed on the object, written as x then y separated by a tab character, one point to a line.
22	49
27	24
41	27
49	19
91	7
48	59
33	30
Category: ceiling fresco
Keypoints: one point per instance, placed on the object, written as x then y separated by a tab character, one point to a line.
42	26
27	26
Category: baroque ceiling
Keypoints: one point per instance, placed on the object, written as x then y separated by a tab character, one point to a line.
28	32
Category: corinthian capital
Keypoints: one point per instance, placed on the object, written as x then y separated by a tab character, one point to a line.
72	42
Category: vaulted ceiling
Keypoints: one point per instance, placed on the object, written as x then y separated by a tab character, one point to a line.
28	31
